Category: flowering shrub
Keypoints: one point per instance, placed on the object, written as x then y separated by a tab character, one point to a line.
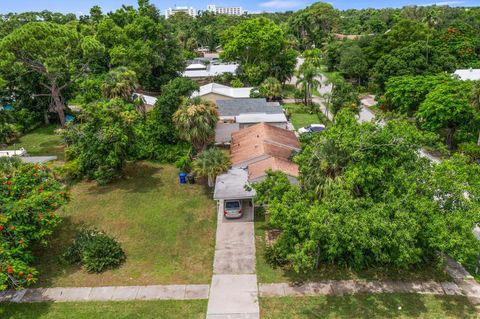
28	200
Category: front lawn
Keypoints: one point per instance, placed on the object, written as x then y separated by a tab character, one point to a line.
191	309
41	141
167	230
368	306
268	274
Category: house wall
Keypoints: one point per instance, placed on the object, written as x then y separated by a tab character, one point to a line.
277	124
213	97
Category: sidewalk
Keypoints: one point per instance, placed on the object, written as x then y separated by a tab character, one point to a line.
120	293
234	291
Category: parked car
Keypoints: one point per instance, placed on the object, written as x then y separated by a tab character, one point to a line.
232	209
312	128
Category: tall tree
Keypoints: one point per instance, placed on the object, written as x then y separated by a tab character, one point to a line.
58	53
271	88
308	80
211	163
120	83
196	123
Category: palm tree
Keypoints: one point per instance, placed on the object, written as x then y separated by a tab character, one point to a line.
308	80
196	122
120	83
211	163
271	88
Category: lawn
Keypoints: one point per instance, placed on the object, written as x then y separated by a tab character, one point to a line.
300	115
167	230
267	274
367	306
191	309
41	141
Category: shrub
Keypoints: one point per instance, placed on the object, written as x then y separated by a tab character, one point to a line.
94	250
471	150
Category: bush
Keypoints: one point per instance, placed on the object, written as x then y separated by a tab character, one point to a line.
68	173
94	250
471	150
183	163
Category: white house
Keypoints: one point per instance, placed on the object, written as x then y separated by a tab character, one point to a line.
468	74
213	92
198	71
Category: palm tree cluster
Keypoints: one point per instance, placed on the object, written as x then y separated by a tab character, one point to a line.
211	163
195	122
308	80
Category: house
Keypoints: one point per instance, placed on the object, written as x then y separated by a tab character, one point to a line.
237	114
187	10
260	142
148	100
468	74
229	109
254	151
200	71
214	92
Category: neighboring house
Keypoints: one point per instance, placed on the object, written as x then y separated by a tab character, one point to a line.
232	11
214	92
229	109
148	100
249	119
468	74
200	71
237	114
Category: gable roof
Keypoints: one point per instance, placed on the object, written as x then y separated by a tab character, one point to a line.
258	169
236	107
262	141
468	74
223	90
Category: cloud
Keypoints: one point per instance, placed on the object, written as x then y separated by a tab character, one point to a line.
281	4
444	3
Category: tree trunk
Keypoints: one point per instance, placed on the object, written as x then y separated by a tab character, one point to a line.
58	105
478	141
46	119
449	139
211	179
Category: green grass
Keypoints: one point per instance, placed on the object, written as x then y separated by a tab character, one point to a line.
368	306
267	274
191	309
167	230
300	115
303	119
41	141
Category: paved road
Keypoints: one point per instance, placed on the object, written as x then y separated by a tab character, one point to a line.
234	291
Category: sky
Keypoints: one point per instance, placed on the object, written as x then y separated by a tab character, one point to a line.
83	6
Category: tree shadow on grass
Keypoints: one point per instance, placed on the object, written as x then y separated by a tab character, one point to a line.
48	258
137	178
389	306
21	310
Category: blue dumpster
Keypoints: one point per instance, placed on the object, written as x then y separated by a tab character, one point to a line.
182	177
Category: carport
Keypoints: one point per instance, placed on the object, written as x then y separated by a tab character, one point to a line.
231	186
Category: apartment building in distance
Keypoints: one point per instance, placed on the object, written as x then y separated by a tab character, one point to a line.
233	11
188	10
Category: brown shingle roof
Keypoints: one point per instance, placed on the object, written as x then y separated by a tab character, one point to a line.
259	168
262	140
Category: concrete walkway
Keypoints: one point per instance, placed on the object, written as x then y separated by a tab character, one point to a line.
120	293
234	291
340	287
469	286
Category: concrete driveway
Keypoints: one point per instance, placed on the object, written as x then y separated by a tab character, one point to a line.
234	291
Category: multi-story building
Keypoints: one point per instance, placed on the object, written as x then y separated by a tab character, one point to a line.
233	11
188	10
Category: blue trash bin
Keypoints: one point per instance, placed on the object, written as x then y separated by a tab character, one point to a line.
182	177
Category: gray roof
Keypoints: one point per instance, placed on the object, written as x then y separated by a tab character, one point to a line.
223	132
231	185
236	107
